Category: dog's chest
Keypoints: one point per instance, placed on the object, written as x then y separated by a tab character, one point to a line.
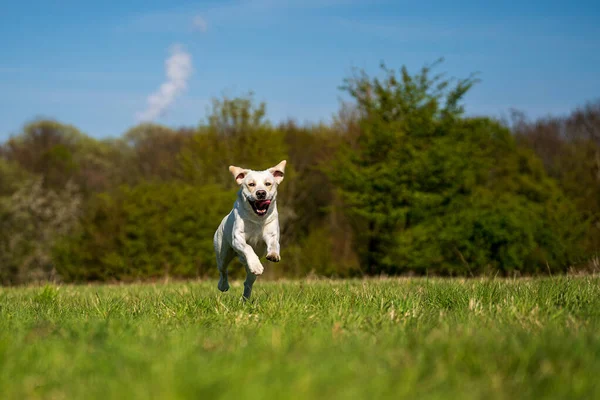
254	234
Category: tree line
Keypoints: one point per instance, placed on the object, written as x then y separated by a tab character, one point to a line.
402	181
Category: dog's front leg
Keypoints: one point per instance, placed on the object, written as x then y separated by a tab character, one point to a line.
247	254
271	238
252	264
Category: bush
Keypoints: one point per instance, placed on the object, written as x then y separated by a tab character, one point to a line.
32	220
492	233
150	230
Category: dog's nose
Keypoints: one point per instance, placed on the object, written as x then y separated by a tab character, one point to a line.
261	194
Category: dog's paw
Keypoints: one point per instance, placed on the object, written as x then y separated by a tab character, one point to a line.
256	268
273	257
223	285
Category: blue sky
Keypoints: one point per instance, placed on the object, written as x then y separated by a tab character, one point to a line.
94	64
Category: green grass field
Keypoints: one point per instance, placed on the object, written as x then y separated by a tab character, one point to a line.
373	339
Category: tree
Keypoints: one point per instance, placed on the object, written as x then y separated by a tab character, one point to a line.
11	177
419	180
236	134
570	149
146	231
155	150
32	220
60	153
398	117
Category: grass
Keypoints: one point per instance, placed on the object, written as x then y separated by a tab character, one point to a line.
375	339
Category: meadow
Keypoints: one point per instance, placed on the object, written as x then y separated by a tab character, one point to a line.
413	338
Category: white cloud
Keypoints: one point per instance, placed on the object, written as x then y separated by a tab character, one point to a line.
178	70
199	24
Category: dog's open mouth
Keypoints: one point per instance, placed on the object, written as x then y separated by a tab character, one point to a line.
260	207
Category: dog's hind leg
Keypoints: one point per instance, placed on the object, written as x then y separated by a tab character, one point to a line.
224	256
250	279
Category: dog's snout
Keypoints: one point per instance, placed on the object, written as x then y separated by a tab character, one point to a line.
261	194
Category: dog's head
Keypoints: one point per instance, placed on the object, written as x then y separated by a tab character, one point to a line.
259	188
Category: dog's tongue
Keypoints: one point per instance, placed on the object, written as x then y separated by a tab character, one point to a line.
261	204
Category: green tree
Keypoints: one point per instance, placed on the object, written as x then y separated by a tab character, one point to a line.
420	182
378	171
11	177
236	133
154	151
570	149
146	231
60	153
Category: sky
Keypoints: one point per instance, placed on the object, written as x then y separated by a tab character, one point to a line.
105	66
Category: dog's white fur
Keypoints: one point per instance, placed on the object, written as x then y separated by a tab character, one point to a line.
246	233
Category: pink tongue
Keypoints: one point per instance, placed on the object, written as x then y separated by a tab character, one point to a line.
260	204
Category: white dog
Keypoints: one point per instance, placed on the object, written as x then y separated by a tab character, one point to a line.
252	227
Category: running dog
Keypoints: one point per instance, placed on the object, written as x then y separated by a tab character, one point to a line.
251	229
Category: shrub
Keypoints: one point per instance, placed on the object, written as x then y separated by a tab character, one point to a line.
150	230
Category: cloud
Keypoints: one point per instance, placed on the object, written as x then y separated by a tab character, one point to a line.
179	69
199	24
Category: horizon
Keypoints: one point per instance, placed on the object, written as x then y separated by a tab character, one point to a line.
105	68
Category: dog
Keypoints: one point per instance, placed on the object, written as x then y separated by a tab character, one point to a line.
252	227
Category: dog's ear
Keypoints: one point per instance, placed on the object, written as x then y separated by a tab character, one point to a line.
238	173
278	171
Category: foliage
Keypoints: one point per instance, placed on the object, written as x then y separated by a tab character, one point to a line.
429	190
11	177
401	182
154	151
146	231
378	168
31	221
570	150
60	153
236	134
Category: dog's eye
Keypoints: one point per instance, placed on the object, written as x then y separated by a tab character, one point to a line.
252	184
267	183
